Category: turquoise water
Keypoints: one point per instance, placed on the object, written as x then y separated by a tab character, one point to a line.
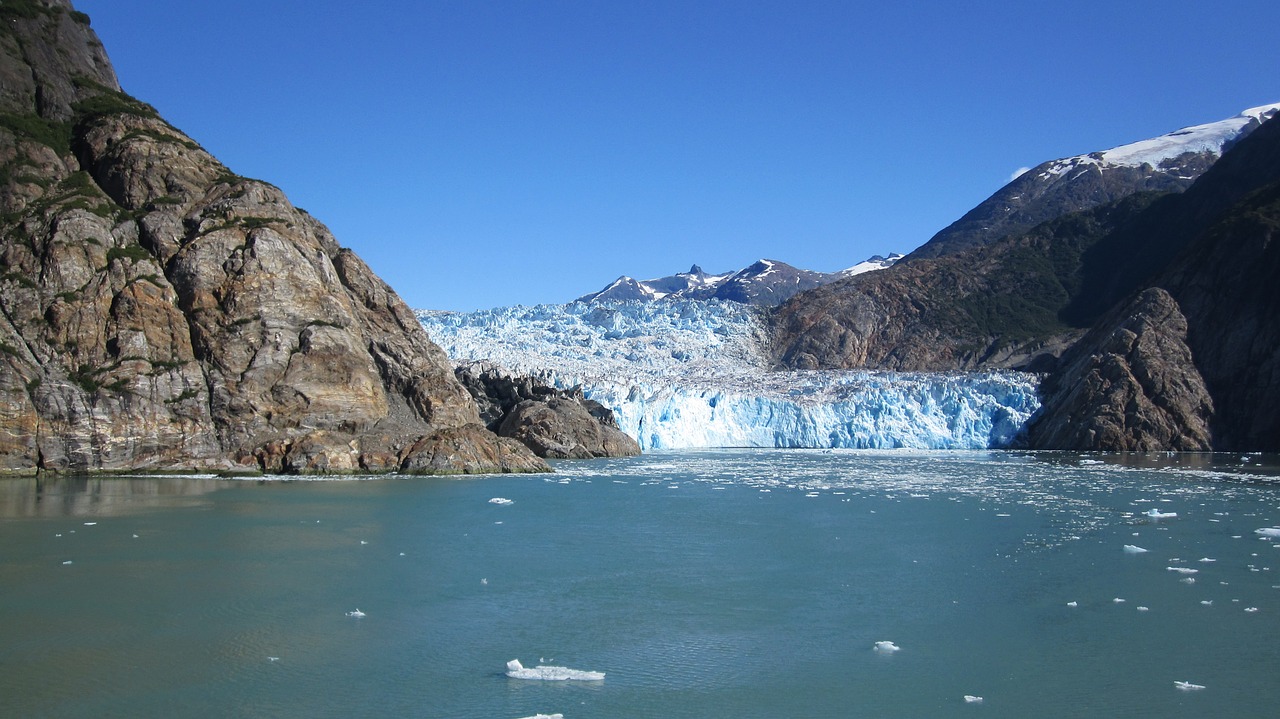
703	584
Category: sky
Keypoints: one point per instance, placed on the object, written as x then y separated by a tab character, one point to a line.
484	154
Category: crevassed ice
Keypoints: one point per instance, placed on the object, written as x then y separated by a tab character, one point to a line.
692	373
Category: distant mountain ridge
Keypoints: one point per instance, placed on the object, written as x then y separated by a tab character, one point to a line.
1168	163
764	282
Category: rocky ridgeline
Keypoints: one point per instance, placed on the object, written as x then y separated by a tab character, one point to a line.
159	312
553	423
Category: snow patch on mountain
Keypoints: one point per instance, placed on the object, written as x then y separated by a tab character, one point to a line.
1213	138
693	373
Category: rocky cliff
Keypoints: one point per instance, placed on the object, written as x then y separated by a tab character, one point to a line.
1221	287
158	311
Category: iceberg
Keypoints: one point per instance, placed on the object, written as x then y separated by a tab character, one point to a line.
516	670
886	647
695	373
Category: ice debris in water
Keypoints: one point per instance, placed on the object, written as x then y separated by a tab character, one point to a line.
1073	604
1133	549
1188	686
357	613
971	699
544	716
516	670
1183	570
1157	514
1268	531
501	500
1144	609
887	647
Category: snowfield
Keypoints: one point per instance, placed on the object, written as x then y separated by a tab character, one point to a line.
693	373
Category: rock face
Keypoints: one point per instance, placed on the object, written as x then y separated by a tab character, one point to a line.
551	422
158	311
564	429
1129	385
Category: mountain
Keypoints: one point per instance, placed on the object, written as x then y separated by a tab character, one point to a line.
1189	360
1169	163
1155	315
765	282
160	312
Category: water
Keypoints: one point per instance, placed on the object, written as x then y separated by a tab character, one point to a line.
703	584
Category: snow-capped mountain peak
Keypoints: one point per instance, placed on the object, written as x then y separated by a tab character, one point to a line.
764	282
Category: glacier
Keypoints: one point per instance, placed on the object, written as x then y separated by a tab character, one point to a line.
695	373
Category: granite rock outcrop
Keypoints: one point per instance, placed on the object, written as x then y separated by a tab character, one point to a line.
160	312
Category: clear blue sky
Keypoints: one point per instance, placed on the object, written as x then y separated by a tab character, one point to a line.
481	154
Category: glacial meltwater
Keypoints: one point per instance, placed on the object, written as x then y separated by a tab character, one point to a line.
701	584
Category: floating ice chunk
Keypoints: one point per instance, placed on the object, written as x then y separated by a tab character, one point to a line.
1207	602
971	699
1134	549
67	562
1157	514
1073	604
1183	570
1188	580
356	613
501	500
887	647
135	536
516	670
1188	686
1251	609
89	524
1143	609
273	659
1118	600
1268	531
545	716
1207	560
363	542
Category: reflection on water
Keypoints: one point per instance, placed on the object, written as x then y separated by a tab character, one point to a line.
77	496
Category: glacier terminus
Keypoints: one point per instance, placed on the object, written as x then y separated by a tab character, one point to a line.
694	373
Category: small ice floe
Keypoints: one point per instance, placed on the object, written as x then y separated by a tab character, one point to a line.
363	542
1183	570
1207	602
516	670
135	536
273	659
1157	514
1188	686
545	716
356	613
402	554
1143	609
1268	531
67	562
1134	549
89	524
501	500
886	647
1188	580
1251	610
1073	604
971	699
1118	600
1207	560
484	581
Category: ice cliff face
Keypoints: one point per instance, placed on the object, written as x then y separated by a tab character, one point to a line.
692	373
